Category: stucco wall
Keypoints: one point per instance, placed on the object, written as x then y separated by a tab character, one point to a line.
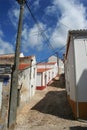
25	88
27	78
70	72
33	77
81	68
5	99
38	82
44	77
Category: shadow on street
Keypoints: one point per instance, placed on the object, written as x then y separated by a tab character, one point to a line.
58	82
55	103
78	128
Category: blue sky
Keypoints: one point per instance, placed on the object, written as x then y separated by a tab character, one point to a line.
55	18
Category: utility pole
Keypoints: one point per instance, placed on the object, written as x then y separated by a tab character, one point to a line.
14	81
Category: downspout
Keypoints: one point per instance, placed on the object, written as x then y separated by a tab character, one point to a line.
76	86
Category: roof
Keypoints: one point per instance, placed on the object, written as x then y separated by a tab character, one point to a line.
9	56
75	33
9	59
23	66
6	55
47	63
41	70
81	31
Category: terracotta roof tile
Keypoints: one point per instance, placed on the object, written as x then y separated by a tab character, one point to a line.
47	63
23	66
42	70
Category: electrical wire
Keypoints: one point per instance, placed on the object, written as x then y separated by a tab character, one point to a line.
43	34
42	61
39	62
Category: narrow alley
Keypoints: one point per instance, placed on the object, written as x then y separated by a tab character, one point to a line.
49	110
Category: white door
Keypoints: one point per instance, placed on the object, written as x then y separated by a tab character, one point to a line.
0	94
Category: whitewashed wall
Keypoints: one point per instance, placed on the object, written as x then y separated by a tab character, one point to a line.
38	82
52	59
61	67
33	77
27	78
24	80
80	46
46	76
67	77
70	72
76	70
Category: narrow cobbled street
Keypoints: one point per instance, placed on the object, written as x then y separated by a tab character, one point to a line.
48	110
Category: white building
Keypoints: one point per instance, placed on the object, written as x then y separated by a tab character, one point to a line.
59	62
52	59
76	72
61	67
45	73
27	78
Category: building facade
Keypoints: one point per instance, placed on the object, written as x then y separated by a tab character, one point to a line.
76	72
26	81
59	62
45	73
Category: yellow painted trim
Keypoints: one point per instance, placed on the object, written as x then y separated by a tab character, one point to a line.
82	106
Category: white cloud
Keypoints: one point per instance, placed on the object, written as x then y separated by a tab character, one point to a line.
73	13
5	47
73	16
36	4
32	37
1	33
14	15
50	10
